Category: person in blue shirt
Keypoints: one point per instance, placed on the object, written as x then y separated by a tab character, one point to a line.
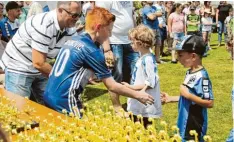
196	91
78	59
150	19
231	135
10	24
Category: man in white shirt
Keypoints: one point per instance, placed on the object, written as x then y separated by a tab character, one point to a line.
37	40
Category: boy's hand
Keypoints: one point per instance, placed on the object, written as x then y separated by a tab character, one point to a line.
184	91
164	97
110	60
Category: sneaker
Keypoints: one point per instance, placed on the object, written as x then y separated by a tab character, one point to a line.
161	62
174	62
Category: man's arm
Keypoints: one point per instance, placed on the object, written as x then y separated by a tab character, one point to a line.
39	62
123	90
217	16
153	16
185	93
135	87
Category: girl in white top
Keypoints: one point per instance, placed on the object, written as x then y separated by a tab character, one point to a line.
207	23
145	75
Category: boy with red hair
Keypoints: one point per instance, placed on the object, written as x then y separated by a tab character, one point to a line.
76	62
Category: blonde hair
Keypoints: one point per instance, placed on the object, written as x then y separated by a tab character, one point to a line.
144	35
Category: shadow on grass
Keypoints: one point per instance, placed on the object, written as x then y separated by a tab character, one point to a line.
124	106
166	60
92	93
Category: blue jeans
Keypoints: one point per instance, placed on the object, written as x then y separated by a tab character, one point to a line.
126	59
222	29
178	36
32	86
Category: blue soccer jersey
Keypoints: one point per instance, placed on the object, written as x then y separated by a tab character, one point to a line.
191	115
74	62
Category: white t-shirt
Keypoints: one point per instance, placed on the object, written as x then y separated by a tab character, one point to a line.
206	20
123	11
146	72
40	32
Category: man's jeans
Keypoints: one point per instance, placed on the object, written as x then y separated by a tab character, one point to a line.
222	29
125	62
31	86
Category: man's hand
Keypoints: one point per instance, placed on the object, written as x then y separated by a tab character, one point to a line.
145	98
110	60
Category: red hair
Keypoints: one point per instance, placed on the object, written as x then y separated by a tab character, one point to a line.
97	16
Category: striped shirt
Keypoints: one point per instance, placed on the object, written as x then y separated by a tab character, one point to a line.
40	32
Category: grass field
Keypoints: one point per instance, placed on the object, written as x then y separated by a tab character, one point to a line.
220	69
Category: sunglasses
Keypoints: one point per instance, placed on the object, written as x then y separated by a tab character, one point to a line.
73	15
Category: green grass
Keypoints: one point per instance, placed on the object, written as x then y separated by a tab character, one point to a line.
220	69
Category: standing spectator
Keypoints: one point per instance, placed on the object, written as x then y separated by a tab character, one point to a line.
169	5
228	19
119	44
207	7
10	24
230	30
186	10
162	25
1	11
38	39
35	8
198	7
231	136
2	49
176	27
207	23
221	13
150	19
24	11
87	7
193	22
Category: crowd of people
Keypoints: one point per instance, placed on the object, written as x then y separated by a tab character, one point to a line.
51	55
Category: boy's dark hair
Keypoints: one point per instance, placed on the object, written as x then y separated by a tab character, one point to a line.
192	44
231	10
12	5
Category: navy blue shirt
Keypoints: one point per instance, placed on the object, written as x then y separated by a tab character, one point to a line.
64	85
153	24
